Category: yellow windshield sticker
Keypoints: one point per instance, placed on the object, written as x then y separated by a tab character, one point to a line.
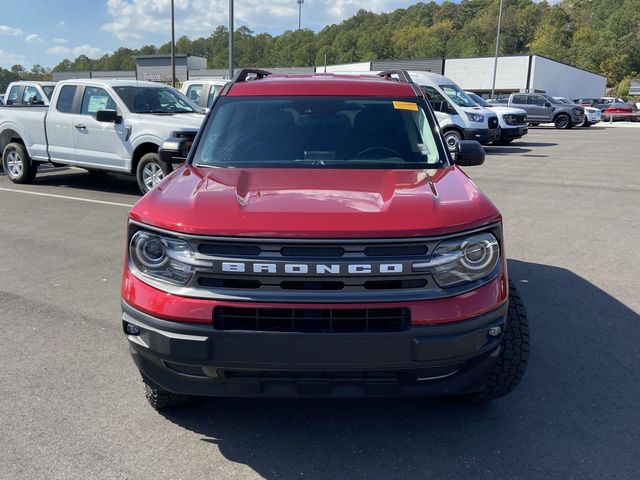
405	106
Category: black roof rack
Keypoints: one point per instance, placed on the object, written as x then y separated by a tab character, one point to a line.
403	75
242	75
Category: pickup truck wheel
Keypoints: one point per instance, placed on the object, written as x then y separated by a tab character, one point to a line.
160	399
151	171
451	138
17	165
562	122
514	353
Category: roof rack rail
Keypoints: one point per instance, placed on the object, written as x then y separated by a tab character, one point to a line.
403	75
242	75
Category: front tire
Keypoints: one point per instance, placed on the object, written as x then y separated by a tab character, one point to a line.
151	171
451	138
161	399
511	364
17	164
562	122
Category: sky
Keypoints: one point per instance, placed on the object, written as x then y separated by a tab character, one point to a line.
45	32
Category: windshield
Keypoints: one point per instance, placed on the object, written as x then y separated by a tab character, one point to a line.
163	100
457	95
319	132
478	99
215	89
48	90
563	100
552	100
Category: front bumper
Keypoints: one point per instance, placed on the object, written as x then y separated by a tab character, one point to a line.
482	135
514	132
195	359
577	119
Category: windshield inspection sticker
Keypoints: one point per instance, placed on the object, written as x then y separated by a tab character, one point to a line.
405	106
424	150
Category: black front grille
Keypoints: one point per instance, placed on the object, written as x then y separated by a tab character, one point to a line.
493	122
311	320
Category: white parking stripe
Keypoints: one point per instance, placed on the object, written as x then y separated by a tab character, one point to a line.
66	197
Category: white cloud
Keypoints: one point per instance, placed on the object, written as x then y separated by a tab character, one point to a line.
33	38
59	50
88	50
60	24
7	30
60	41
133	20
7	59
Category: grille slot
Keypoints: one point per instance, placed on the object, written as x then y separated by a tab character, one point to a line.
311	320
395	251
312	251
493	122
225	249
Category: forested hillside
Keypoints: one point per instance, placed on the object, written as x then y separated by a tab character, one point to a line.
598	35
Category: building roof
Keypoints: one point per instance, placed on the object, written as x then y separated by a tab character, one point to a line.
322	84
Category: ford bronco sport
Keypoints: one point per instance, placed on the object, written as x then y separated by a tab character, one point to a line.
319	240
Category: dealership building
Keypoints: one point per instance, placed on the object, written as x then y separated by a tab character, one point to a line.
517	73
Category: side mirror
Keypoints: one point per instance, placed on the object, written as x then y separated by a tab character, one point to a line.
108	116
174	150
547	104
470	153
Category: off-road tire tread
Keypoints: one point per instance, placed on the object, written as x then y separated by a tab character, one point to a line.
160	399
511	364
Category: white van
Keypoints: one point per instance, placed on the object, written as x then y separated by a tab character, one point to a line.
458	115
202	92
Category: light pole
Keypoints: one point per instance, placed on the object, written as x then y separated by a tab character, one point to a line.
173	47
495	59
230	39
300	2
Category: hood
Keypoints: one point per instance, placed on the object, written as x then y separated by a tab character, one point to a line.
172	122
315	204
508	110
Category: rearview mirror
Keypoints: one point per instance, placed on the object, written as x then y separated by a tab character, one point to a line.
470	153
174	150
108	116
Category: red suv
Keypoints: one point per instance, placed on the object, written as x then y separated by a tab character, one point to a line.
319	240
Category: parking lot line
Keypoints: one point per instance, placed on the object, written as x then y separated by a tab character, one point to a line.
66	197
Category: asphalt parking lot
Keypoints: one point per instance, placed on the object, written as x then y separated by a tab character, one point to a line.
72	402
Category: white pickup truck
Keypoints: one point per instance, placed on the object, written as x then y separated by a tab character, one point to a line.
98	125
26	92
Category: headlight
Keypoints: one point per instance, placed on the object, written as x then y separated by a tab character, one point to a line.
509	119
462	260
164	258
474	117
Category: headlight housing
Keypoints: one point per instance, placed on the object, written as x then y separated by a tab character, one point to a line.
465	259
160	257
475	117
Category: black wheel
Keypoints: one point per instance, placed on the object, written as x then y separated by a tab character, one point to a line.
562	122
97	173
511	365
151	171
17	164
451	138
504	141
160	399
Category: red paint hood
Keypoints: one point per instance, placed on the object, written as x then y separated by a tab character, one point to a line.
302	202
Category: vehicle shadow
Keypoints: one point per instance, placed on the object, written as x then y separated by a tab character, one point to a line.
574	415
81	180
506	150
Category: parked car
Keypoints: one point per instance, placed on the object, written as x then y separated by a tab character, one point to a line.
29	93
513	121
202	92
459	116
99	125
591	102
592	115
2	99
619	111
320	240
543	108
